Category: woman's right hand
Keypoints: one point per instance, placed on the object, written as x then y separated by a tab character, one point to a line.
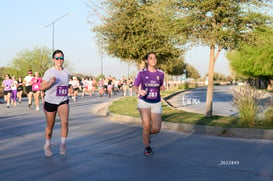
143	92
53	79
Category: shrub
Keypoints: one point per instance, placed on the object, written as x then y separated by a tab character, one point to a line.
247	100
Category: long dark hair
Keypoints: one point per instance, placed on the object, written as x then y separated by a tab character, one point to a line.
147	55
145	58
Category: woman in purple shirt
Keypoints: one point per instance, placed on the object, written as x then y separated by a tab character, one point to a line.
7	89
147	85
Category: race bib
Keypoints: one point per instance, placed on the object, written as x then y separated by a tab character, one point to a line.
152	94
62	91
36	87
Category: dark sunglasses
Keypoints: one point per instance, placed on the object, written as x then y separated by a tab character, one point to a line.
57	58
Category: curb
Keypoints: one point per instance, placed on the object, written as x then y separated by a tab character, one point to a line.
248	133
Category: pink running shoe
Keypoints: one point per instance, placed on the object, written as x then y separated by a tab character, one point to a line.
148	151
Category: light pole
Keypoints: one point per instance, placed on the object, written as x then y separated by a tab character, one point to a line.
101	57
128	70
53	26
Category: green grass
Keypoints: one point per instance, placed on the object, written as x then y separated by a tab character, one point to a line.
128	106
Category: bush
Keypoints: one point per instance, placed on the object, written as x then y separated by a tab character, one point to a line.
269	117
247	100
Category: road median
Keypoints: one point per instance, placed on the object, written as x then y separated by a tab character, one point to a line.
248	133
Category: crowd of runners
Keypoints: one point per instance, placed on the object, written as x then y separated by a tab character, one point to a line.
109	86
13	89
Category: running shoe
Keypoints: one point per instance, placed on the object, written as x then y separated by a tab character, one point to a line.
62	149
7	106
47	149
29	105
148	151
37	108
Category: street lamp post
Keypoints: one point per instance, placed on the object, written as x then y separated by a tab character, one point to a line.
128	70
53	27
101	57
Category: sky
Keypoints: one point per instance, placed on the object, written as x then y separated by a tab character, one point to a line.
21	22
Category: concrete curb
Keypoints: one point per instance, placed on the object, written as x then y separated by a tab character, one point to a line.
247	133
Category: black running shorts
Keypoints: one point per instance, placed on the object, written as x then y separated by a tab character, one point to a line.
53	107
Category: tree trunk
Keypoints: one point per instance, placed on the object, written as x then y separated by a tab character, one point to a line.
167	81
209	101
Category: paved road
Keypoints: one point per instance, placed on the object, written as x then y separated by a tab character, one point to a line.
99	149
195	101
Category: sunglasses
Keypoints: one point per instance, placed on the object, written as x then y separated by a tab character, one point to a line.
57	58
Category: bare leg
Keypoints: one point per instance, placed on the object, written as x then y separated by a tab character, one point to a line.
63	112
50	119
36	98
156	123
145	114
29	96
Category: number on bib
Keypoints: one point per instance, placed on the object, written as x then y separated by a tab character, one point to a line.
62	91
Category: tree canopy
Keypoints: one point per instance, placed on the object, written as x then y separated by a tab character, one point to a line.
36	59
254	60
134	28
219	24
192	72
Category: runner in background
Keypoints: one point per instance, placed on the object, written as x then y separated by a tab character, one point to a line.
84	86
124	86
90	83
130	85
76	87
70	88
36	87
20	89
28	85
6	84
101	87
14	86
109	86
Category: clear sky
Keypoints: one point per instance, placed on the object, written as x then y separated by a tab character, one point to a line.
20	29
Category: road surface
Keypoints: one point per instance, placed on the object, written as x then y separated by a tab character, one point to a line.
99	149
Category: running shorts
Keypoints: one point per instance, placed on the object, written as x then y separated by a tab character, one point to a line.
29	89
53	107
6	92
155	107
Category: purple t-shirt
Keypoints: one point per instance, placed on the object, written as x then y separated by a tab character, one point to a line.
7	83
151	82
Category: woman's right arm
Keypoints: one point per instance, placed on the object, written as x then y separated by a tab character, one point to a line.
45	85
135	89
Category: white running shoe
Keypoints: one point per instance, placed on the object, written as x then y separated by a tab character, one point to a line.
47	149
37	108
62	149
